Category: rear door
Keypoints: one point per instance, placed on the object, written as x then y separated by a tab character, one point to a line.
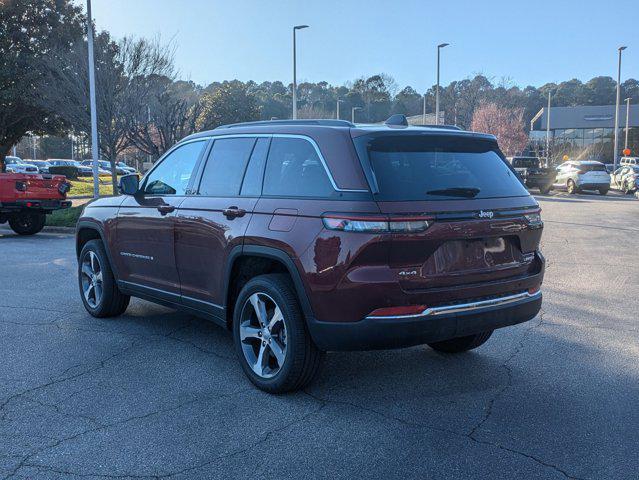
213	221
475	205
146	223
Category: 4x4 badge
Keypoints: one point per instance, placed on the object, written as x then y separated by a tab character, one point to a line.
485	214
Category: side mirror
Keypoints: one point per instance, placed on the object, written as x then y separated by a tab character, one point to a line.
129	184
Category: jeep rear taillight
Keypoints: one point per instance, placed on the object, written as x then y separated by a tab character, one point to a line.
375	223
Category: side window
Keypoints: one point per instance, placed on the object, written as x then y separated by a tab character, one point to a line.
225	167
294	169
252	185
172	175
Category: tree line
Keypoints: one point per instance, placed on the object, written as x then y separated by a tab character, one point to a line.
144	108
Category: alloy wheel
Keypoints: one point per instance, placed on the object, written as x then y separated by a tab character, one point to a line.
263	335
91	278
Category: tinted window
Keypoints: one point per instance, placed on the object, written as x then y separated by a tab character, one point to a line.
225	168
172	175
591	168
525	162
294	169
252	185
412	167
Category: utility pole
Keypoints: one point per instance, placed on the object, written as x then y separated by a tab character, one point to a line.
615	153
424	112
295	29
548	132
439	47
627	122
94	113
148	119
33	144
337	114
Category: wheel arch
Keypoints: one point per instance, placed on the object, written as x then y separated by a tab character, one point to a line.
277	261
87	231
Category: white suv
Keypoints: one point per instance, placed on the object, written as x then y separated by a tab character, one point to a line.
583	175
16	165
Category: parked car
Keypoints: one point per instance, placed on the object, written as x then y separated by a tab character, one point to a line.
104	167
81	170
127	169
16	165
626	178
315	235
532	174
628	161
41	165
26	199
576	176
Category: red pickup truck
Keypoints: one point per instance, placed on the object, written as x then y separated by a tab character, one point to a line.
25	199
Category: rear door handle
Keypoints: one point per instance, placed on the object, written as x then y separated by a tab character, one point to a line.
233	212
164	209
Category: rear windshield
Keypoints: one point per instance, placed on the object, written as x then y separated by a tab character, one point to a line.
429	167
592	168
525	162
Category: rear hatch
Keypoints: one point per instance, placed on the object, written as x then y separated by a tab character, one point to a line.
20	186
593	173
483	224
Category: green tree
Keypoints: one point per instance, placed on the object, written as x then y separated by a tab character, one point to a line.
29	32
230	103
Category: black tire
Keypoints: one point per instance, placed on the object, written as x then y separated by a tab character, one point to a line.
112	302
544	190
302	359
461	344
27	223
571	187
603	191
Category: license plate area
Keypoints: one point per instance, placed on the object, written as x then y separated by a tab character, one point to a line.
463	257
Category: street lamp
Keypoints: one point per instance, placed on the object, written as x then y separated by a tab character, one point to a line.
353	110
439	47
627	120
94	115
338	102
548	132
295	29
616	145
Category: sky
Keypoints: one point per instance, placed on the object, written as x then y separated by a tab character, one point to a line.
521	43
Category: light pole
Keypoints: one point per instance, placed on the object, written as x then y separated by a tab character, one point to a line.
615	153
627	120
94	113
424	111
337	113
548	132
353	110
439	47
33	144
295	29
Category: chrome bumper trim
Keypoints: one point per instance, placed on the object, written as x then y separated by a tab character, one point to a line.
465	307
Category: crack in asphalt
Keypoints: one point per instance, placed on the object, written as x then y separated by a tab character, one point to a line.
24	463
489	410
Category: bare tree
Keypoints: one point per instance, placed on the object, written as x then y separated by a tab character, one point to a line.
124	72
507	124
163	114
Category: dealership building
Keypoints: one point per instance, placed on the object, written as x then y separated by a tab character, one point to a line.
583	132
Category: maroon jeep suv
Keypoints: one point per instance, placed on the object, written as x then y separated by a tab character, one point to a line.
308	236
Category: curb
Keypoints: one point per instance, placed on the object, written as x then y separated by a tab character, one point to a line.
48	229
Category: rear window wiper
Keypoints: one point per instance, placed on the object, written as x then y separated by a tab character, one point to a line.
468	192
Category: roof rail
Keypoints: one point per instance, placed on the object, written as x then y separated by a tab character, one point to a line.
325	123
445	127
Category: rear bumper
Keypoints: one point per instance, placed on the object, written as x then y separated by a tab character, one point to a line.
590	185
35	204
432	325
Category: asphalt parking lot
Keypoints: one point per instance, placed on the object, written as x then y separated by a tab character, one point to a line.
159	394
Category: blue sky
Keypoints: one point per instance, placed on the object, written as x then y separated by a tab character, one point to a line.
532	42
